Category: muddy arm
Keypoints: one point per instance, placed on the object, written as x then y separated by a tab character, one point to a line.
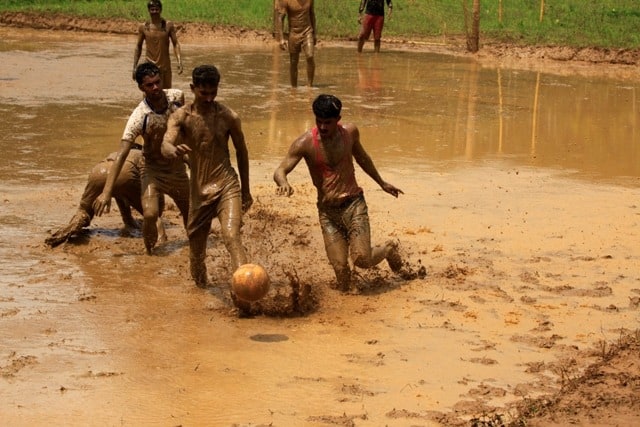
78	222
364	161
176	47
138	50
103	202
242	159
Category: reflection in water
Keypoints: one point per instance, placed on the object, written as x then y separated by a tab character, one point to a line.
369	70
534	115
471	97
500	112
411	107
273	120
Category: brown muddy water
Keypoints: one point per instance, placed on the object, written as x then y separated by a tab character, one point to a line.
521	201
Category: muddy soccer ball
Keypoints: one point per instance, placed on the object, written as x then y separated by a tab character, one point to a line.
250	282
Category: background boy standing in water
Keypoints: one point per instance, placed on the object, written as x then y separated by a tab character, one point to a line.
302	35
373	20
157	33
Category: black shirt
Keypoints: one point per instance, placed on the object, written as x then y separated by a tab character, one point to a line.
374	7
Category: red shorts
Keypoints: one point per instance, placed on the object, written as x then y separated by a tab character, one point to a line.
372	22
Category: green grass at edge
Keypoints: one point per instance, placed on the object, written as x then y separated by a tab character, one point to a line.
602	23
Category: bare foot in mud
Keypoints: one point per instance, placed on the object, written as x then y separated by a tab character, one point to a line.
393	257
242	308
130	230
202	282
401	267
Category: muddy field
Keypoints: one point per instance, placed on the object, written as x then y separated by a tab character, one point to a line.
527	314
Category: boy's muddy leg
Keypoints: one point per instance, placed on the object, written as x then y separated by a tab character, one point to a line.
197	255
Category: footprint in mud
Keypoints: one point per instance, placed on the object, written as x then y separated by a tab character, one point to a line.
16	364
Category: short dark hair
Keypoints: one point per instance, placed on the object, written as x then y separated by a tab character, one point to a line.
146	69
205	75
156	3
327	107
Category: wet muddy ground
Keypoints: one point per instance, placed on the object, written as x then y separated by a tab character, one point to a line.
521	204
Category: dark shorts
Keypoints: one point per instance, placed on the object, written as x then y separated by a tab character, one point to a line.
302	43
174	182
228	209
349	221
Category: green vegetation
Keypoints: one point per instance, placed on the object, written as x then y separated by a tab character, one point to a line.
580	23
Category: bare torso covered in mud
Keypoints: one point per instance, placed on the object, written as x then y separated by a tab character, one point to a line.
126	191
126	188
302	35
300	17
331	166
213	178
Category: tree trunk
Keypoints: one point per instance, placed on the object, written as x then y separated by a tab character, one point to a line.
473	35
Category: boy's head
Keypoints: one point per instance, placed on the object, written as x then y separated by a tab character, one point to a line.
205	80
327	107
204	75
327	111
146	69
154	3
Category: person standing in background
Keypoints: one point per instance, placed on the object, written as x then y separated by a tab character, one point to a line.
373	20
157	33
302	35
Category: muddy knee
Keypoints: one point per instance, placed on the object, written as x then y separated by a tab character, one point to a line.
151	214
362	261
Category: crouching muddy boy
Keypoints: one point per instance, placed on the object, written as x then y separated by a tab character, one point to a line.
126	191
